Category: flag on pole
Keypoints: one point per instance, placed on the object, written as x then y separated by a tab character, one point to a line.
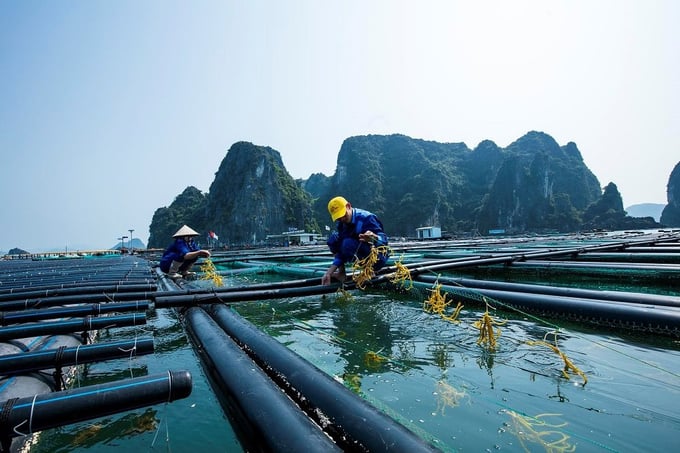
213	235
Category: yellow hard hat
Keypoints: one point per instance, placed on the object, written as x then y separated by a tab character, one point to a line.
337	208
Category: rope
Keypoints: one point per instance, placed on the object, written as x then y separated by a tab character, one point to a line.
59	382
30	418
76	363
7	410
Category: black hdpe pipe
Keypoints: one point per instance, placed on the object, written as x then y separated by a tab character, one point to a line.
343	411
148	280
25	362
524	256
258	255
16	317
447	264
25	416
243	288
658	267
613	296
238	296
301	288
31	293
650	318
20	304
70	325
272	285
265	418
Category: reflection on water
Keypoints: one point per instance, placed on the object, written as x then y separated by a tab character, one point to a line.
107	430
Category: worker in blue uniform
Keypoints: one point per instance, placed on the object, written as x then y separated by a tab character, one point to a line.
181	255
357	232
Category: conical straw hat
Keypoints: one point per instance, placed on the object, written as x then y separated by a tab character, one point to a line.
185	231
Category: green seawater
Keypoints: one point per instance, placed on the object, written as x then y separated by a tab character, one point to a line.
193	424
429	374
432	376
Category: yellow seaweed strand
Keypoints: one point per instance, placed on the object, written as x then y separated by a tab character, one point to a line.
568	364
453	317
210	273
437	303
448	396
342	295
362	269
401	275
487	335
552	440
373	359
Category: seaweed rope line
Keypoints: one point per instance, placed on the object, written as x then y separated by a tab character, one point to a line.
558	328
327	338
437	303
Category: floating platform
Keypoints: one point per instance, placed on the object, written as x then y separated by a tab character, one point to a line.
52	312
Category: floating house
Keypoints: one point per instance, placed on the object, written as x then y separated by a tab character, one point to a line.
295	237
429	232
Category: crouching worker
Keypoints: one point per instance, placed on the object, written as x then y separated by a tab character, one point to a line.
178	259
357	232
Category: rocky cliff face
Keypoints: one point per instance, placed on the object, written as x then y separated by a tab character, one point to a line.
539	185
670	216
188	208
533	185
253	195
404	181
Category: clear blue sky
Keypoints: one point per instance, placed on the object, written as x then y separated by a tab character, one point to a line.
109	109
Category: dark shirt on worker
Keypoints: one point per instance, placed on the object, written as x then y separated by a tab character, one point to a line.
345	243
176	252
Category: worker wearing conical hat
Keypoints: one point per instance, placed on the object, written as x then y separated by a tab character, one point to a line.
181	255
357	232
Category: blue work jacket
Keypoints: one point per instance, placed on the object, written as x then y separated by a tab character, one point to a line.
362	221
176	252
